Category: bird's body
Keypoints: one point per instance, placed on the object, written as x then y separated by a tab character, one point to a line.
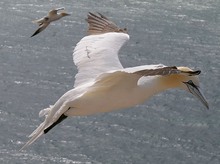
53	15
103	85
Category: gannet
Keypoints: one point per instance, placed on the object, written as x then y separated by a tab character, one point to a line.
103	85
45	21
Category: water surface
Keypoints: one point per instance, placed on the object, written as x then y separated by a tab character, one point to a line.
173	127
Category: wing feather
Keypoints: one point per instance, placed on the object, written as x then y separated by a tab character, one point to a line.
159	71
98	53
135	74
99	24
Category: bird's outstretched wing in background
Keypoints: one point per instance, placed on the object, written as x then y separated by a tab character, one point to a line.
98	52
41	28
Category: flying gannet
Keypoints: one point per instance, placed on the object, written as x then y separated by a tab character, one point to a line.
103	85
45	21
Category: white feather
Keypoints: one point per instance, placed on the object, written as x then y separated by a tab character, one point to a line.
96	54
44	112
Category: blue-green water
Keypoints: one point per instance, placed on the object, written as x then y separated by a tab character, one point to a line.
172	127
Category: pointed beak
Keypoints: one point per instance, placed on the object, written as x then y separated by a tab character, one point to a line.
195	90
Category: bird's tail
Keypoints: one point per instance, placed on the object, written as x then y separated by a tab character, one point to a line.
53	116
35	135
40	130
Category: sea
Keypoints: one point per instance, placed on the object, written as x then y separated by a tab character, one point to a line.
172	127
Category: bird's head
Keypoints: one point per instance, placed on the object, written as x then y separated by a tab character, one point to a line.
187	80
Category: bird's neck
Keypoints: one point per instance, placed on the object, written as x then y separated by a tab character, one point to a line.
160	84
171	81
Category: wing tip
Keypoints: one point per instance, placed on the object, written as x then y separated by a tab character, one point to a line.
100	24
36	32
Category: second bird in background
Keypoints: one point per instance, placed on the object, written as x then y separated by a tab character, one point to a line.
45	21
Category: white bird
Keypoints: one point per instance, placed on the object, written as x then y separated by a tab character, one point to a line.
103	85
45	21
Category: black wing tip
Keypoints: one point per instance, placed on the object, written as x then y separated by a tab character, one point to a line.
32	35
61	118
36	32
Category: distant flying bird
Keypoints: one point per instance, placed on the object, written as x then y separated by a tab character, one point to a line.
45	21
103	85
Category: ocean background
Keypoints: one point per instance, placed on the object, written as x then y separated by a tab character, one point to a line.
171	128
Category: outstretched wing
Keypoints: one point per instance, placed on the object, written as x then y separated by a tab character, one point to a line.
99	24
40	21
98	52
134	75
163	71
41	28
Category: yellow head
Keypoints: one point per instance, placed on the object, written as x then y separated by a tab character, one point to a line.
187	80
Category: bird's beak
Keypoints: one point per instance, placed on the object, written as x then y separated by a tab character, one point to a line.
195	90
65	14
